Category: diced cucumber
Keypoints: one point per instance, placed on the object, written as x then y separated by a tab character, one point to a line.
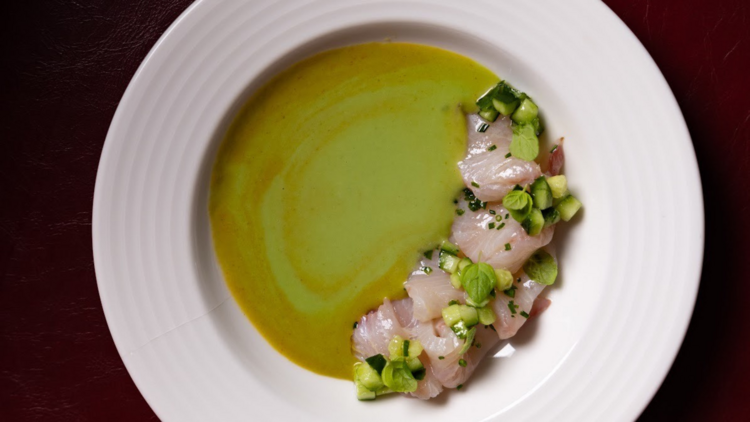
456	281
468	315
452	315
536	123
506	98
551	216
505	108
363	394
448	262
486	315
490	114
568	207
414	364
541	193
534	222
449	247
485	101
469	339
415	348
526	111
464	263
504	279
558	185
377	362
367	376
460	329
396	347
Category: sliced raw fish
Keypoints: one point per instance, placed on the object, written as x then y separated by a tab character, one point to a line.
473	236
526	299
495	173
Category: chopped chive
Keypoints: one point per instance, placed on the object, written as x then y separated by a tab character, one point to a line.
501	226
459	386
553	149
406	348
498	218
441	357
475	184
492	212
507	247
512	306
462	363
479	345
484	205
492	148
491	226
507	155
427	270
524	314
428	254
511	292
355	325
453	302
460	211
506	216
483	127
493	328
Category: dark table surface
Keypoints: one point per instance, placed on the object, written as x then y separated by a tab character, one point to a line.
67	63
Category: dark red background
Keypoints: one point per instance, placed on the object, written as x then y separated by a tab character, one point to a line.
66	66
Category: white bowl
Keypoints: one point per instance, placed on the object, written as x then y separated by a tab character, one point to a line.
630	265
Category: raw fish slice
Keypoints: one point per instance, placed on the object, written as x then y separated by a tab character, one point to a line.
430	386
495	174
478	242
556	160
431	293
375	330
439	340
525	299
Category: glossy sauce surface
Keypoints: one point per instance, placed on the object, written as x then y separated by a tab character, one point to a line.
330	181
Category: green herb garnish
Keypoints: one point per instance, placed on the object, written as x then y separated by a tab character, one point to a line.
541	267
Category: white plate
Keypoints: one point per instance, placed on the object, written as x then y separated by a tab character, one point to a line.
630	265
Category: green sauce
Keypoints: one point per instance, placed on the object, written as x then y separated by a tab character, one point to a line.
331	180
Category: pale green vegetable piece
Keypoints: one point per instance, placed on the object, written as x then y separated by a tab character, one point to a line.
451	315
397	376
504	279
568	207
519	204
525	144
367	376
396	347
558	185
486	315
478	280
541	267
469	339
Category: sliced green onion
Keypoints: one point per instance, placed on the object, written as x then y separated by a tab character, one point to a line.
507	247
492	148
462	363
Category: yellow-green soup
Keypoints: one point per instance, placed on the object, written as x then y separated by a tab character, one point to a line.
331	180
